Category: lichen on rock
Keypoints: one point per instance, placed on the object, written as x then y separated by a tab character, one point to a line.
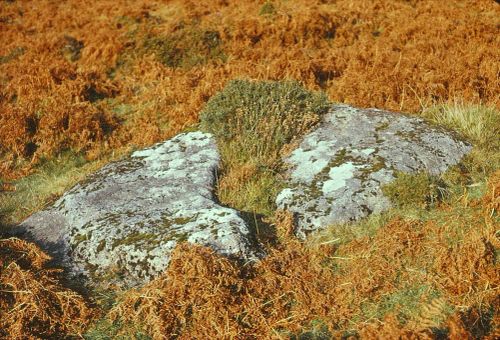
126	218
336	173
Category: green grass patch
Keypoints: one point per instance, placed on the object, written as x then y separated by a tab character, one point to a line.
407	304
50	180
253	122
414	190
103	329
478	124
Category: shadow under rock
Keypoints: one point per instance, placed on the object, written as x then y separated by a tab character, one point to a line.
262	231
67	279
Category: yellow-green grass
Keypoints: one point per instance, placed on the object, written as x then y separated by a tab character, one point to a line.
49	181
480	125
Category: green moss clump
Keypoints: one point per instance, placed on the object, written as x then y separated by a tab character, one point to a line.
136	237
188	47
414	190
253	122
267	9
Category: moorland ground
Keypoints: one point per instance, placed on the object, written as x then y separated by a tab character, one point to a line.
82	84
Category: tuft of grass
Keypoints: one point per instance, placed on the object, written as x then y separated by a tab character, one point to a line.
253	122
414	190
49	181
477	123
254	189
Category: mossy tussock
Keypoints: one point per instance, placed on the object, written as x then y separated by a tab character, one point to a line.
254	122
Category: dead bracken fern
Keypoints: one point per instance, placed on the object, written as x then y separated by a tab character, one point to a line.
203	295
430	314
103	76
390	328
33	303
362	287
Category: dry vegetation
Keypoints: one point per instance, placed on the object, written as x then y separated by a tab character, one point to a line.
411	278
81	84
33	303
116	74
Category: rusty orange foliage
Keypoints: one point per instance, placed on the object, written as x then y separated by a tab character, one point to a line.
33	303
65	67
203	295
78	75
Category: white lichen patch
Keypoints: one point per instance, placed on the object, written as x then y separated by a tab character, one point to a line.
128	217
336	173
285	197
311	160
338	177
368	151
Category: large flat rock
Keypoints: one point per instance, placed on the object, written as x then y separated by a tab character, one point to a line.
122	223
336	173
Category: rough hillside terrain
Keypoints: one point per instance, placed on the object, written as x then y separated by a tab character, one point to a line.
84	83
111	74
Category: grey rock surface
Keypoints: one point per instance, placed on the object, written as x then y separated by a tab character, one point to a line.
336	173
123	221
